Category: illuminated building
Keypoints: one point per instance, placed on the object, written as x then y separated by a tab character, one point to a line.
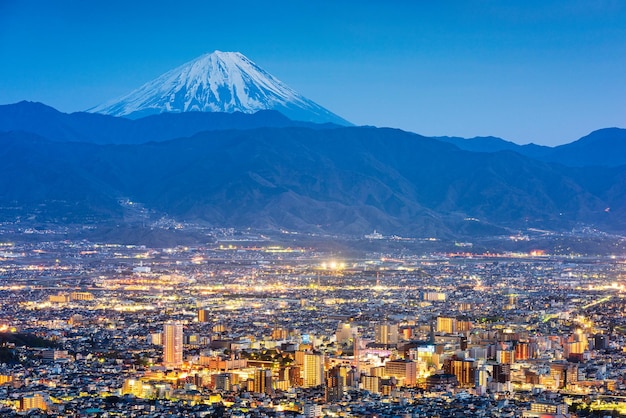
282	385
156	338
371	383
522	351
312	369
464	325
204	315
335	383
35	401
563	374
407	333
386	333
172	344
546	410
402	369
279	333
434	296
81	296
576	345
217	363
132	386
312	410
464	371
505	356
60	298
263	381
464	307
441	381
446	325
295	376
219	328
481	378
191	339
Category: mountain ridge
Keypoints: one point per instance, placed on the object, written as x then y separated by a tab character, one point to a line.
98	128
602	147
350	180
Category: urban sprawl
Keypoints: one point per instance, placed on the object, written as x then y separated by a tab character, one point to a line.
251	329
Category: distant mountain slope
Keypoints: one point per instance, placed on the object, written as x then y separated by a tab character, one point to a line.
49	123
348	180
217	82
604	147
495	144
480	143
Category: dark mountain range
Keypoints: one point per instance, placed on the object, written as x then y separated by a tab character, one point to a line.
49	123
604	147
495	144
348	180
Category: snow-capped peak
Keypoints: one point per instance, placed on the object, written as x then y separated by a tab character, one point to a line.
217	82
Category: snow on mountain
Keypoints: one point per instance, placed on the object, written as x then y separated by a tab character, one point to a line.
217	82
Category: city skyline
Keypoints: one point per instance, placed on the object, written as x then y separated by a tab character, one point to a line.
542	72
257	327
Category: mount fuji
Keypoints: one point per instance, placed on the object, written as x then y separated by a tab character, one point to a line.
217	82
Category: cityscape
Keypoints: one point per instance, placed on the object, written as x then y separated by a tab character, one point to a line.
319	209
244	327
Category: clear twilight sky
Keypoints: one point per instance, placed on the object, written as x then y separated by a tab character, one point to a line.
546	71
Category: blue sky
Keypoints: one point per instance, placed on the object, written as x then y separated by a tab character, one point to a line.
545	71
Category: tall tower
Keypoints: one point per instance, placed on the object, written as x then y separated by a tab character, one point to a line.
173	344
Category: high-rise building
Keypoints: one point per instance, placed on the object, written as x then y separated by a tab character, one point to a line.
501	373
505	356
386	333
223	381
402	369
313	369
371	383
335	383
464	370
204	315
564	373
446	325
263	381
521	351
173	344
